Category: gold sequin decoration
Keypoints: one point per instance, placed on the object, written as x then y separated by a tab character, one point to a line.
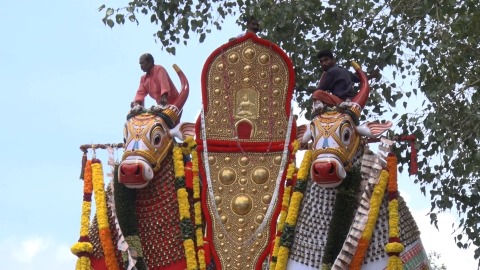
227	176
249	53
233	58
241	204
246	76
238	208
260	175
264	59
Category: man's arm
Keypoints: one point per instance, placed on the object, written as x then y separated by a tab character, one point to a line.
140	95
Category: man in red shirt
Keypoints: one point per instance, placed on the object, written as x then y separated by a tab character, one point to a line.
155	83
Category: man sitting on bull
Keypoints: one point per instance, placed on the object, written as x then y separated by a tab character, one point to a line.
335	81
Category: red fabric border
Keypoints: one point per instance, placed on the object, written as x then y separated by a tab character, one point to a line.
233	146
208	219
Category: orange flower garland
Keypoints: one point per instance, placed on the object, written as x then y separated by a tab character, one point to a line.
375	202
394	246
102	216
83	248
285	202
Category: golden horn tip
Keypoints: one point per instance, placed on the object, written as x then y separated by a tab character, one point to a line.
355	65
177	69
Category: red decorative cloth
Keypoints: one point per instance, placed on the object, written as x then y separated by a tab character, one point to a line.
327	98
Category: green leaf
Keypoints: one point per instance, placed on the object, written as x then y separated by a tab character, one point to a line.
110	23
109	11
120	19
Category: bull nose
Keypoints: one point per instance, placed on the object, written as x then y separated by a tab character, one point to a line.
130	169
324	168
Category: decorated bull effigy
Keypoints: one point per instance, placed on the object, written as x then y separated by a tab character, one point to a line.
225	193
146	219
347	212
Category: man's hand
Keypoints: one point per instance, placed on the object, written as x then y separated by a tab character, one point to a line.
135	103
163	100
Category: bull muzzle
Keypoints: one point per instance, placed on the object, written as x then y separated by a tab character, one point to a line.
135	173
327	172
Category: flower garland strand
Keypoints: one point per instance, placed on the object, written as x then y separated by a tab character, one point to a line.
375	202
83	248
288	231
191	144
285	202
186	225
102	216
394	246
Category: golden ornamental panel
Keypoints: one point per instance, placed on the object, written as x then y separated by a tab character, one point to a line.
248	83
242	204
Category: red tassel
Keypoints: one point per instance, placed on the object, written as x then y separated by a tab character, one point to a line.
84	162
188	175
206	247
413	152
413	158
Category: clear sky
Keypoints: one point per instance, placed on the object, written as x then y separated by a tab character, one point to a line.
67	80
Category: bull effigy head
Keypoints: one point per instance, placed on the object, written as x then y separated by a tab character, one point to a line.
149	138
337	138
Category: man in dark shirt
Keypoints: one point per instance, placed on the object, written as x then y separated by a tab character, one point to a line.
336	80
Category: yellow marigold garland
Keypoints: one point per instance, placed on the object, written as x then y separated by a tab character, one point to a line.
184	208
198	204
292	213
394	246
102	216
375	202
83	248
285	202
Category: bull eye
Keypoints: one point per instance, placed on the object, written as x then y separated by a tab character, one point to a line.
156	140
156	135
346	133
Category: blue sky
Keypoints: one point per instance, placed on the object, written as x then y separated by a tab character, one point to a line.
66	80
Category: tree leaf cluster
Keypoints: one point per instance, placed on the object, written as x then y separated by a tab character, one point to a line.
430	48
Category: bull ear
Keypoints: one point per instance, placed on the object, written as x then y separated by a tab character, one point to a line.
301	131
303	136
183	130
373	129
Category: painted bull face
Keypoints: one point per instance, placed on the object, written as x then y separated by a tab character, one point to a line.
147	142
335	144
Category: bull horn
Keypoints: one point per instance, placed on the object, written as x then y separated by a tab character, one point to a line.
362	95
183	95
